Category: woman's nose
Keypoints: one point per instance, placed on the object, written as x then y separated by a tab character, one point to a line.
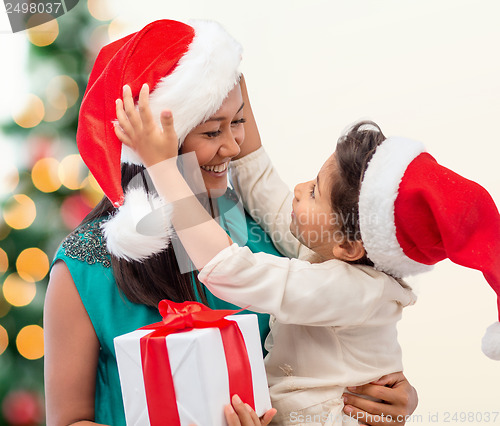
230	146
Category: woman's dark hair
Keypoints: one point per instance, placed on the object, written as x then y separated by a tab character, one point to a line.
353	153
155	278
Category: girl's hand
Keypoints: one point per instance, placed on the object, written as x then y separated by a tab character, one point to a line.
243	415
399	401
138	130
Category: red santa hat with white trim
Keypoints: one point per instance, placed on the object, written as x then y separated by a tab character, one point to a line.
413	213
190	69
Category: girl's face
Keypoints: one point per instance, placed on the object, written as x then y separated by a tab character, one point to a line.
314	222
216	141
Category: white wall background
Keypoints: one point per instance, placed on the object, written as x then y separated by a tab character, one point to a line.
428	70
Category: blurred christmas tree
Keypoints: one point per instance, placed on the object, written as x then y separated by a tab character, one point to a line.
45	191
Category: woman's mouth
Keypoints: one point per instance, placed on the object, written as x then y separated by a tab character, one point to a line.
216	170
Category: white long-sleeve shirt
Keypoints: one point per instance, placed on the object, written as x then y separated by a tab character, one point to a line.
335	323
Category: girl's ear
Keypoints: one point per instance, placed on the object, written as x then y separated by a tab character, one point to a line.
349	251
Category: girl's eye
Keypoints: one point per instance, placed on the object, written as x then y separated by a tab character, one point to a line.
240	121
313	195
213	134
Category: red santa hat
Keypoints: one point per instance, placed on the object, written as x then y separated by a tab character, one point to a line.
414	213
190	70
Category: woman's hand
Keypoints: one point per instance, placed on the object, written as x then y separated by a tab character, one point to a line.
138	130
399	401
243	415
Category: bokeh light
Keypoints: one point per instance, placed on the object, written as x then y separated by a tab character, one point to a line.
32	264
45	175
4	231
56	108
117	28
61	93
29	112
4	306
4	261
73	209
91	191
66	85
18	292
72	172
19	212
9	178
29	342
101	10
4	340
96	40
42	34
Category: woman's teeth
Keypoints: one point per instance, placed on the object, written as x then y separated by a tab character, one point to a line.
218	168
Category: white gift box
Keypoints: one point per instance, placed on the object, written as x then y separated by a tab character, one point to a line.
199	372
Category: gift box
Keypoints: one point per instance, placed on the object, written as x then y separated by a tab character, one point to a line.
185	369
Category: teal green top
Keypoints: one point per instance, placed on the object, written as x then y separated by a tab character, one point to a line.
112	314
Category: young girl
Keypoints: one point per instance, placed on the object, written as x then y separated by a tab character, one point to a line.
341	306
355	307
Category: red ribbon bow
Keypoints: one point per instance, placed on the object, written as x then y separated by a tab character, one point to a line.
158	381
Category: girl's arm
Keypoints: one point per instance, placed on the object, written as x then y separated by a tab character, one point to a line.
200	234
71	353
252	140
265	196
267	283
268	200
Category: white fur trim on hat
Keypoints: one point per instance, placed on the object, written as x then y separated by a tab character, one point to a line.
491	342
379	190
124	240
204	76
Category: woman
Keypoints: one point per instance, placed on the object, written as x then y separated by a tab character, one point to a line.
107	278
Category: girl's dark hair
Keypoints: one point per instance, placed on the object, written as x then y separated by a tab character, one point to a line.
353	153
155	278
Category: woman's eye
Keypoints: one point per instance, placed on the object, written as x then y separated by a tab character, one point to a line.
213	134
240	121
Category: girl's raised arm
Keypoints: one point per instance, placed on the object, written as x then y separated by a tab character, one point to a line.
158	150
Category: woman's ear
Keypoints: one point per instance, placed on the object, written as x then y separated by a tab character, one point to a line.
349	251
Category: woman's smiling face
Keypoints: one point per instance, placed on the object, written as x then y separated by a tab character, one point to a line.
217	141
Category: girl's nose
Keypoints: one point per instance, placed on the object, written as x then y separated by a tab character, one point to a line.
297	191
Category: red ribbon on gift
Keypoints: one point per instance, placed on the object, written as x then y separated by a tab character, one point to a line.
158	381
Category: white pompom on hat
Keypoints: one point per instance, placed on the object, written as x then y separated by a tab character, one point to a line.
190	69
413	213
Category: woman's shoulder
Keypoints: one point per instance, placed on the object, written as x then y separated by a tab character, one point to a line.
86	244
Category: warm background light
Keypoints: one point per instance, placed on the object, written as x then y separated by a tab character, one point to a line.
61	93
17	291
44	34
45	175
9	177
4	261
72	171
91	191
29	342
117	28
4	305
4	340
67	86
20	211
101	10
32	264
30	111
